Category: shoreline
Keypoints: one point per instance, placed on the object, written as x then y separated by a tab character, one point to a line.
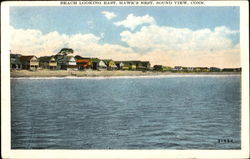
105	73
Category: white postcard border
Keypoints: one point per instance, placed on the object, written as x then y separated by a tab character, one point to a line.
5	101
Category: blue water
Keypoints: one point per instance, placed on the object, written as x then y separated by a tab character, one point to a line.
139	113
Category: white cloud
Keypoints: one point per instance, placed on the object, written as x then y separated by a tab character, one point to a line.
159	45
181	46
168	38
132	21
109	15
34	42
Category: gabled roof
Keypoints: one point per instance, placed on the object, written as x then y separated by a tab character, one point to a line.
107	61
102	63
26	58
45	58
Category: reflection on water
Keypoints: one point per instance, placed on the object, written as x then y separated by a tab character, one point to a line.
146	113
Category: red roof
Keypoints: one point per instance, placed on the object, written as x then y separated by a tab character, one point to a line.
83	61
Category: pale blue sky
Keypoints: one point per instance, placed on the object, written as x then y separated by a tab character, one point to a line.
187	36
73	20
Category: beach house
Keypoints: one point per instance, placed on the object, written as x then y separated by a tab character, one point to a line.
95	63
142	65
126	65
158	68
110	64
119	65
214	69
190	69
137	65
83	62
184	69
15	62
47	62
102	65
177	68
132	65
29	62
201	69
66	62
70	63
129	65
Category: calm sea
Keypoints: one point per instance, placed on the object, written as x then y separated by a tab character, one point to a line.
189	112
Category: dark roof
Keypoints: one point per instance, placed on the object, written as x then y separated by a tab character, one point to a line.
118	62
158	66
26	58
145	62
15	55
45	58
127	62
77	57
135	61
15	58
95	60
214	68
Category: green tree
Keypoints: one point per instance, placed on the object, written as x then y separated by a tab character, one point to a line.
65	51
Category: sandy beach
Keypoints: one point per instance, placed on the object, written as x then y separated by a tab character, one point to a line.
104	73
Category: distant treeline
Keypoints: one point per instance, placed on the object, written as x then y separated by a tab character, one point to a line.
64	60
194	69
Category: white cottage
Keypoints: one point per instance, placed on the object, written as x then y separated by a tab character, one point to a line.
102	65
71	63
66	62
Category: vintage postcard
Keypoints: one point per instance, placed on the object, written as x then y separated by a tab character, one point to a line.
125	79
